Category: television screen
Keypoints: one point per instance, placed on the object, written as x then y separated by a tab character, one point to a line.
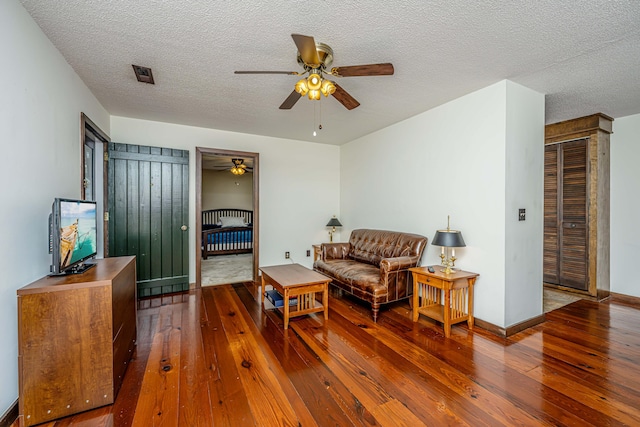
74	233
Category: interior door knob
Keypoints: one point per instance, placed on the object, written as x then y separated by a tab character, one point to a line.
183	228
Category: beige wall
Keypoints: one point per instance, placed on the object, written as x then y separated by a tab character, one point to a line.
478	159
295	202
625	205
222	189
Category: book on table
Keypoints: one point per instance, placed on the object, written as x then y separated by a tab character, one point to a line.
277	300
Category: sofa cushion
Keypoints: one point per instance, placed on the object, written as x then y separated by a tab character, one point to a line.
370	246
365	277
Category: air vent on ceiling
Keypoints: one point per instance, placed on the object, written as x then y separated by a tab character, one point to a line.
143	74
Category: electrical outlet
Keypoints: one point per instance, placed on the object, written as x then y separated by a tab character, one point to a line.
308	252
286	255
521	215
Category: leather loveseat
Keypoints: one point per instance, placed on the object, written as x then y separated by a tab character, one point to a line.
374	265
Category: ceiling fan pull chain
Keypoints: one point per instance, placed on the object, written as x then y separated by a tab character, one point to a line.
314	120
320	125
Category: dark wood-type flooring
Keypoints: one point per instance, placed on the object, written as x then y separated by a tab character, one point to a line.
214	357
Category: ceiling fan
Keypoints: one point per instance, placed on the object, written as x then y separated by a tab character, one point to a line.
239	168
316	58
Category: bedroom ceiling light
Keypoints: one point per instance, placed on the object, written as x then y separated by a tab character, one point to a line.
448	239
238	167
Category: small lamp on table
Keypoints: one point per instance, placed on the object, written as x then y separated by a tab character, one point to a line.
448	239
333	223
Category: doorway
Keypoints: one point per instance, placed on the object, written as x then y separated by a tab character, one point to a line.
231	195
93	178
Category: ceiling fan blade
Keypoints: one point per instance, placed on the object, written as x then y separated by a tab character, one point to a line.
344	98
292	73
290	101
385	69
307	48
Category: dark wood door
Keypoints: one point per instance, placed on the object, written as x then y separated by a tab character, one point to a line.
148	194
565	214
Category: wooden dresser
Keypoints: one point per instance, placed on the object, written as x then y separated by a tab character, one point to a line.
76	335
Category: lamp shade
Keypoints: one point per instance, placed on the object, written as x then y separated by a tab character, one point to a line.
333	222
448	238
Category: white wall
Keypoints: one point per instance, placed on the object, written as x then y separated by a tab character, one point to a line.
524	189
297	197
451	160
222	189
40	107
625	205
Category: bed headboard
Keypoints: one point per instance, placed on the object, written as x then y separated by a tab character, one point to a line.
212	216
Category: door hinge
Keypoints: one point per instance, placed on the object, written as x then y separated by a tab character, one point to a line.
106	216
106	156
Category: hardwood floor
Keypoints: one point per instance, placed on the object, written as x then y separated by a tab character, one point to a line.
214	357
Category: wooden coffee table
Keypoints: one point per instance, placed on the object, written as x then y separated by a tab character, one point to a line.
297	281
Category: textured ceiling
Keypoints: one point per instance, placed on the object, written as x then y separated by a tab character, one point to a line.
584	55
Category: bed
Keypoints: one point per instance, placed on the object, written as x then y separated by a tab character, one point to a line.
227	231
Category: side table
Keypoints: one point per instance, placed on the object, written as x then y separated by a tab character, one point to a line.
447	298
317	252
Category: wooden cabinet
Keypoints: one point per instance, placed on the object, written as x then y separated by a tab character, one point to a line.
76	335
576	205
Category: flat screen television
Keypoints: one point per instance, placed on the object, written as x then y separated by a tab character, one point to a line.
72	235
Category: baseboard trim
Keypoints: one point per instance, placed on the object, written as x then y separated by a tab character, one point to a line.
494	329
10	416
519	327
511	330
625	299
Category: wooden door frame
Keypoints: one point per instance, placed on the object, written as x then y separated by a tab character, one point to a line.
200	151
86	124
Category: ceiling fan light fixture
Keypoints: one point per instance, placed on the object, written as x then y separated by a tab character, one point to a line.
314	95
238	167
314	81
328	87
301	87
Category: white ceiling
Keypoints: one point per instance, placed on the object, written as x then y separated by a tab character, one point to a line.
584	55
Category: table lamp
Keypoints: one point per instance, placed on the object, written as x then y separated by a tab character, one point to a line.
333	223
448	239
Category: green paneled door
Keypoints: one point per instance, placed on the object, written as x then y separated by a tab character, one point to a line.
148	196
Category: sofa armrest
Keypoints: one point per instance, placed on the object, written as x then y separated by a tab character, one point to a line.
335	251
388	265
394	274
